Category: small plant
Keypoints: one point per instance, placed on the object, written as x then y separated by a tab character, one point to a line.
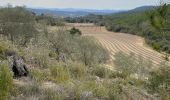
159	82
131	64
78	70
52	55
5	82
99	71
40	75
75	31
60	73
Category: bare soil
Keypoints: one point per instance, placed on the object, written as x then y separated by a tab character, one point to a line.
119	42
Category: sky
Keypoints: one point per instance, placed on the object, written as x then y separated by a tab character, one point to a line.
85	4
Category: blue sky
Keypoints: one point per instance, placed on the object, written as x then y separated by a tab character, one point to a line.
90	4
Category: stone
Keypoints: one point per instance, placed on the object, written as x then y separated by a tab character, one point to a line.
86	95
18	66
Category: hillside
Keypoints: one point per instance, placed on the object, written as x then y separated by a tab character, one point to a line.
44	58
70	12
135	22
138	23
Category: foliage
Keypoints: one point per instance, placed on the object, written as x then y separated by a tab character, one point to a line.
49	20
84	49
129	64
60	73
92	52
143	23
74	31
77	71
159	81
5	82
17	24
40	75
99	71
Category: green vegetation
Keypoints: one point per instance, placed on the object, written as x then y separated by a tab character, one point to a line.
74	31
151	24
77	48
129	64
5	82
66	65
17	24
49	20
159	82
138	23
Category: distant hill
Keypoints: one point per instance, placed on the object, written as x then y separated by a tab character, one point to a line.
143	8
69	12
137	10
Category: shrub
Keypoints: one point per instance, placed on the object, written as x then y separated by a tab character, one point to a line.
131	64
115	91
75	31
159	82
83	49
60	73
5	82
92	52
38	57
77	70
52	55
40	75
99	71
30	89
18	24
2	51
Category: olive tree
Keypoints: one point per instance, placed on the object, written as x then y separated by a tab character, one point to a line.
91	52
18	24
78	48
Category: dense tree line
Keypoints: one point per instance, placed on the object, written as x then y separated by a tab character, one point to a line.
49	20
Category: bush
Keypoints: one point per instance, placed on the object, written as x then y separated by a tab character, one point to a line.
159	82
131	64
77	70
5	82
60	73
18	24
92	52
40	75
75	31
83	49
99	71
2	51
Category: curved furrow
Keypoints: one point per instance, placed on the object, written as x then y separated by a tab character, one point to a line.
111	47
143	52
123	46
127	43
133	50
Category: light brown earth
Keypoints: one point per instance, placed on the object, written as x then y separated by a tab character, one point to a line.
116	42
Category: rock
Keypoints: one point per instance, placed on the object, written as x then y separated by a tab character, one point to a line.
86	95
18	66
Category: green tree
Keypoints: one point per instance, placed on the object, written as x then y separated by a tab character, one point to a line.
75	31
160	21
18	24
